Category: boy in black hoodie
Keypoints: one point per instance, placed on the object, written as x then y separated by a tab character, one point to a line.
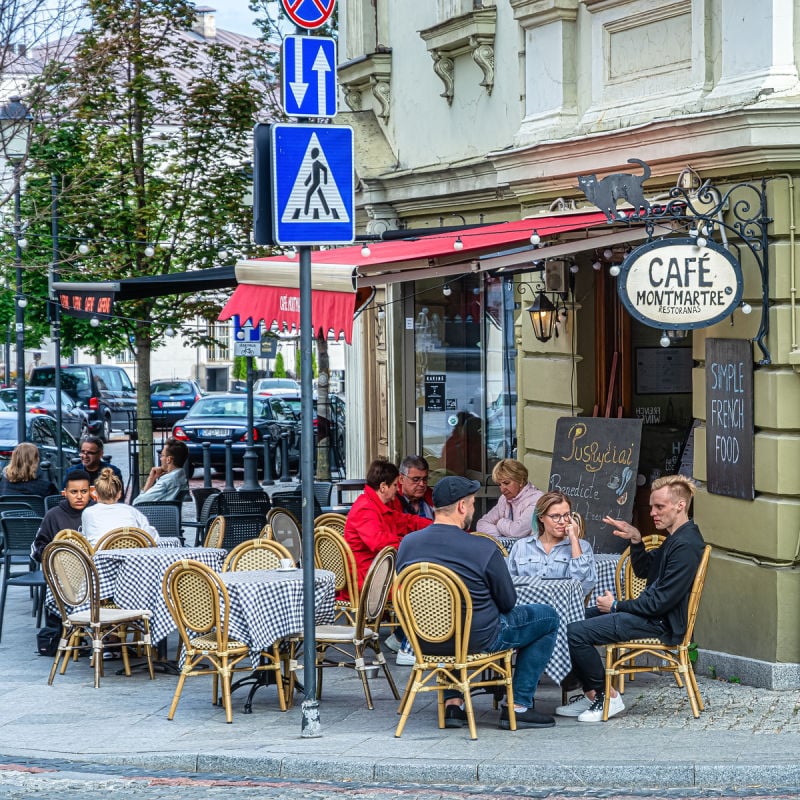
67	514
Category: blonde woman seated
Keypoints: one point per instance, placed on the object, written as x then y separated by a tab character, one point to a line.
554	551
511	517
108	512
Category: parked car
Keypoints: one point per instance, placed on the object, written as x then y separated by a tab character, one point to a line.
105	392
171	400
218	417
42	400
276	386
41	431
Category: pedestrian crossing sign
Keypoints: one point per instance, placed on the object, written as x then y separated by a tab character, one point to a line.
313	188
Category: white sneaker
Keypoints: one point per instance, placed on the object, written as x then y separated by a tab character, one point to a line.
575	706
393	643
405	658
595	712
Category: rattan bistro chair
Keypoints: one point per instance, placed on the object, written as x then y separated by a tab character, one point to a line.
435	607
215	534
255	554
620	656
331	519
496	541
73	580
352	641
76	537
123	538
332	552
199	604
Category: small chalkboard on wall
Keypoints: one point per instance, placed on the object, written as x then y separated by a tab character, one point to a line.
595	463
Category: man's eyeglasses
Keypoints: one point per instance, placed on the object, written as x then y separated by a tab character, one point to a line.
89	452
559	517
421	479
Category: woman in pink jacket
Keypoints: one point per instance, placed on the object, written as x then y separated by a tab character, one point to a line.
512	517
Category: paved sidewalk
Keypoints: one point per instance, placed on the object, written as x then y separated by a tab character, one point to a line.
747	736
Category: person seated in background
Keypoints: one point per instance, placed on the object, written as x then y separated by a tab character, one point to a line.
372	523
91	453
512	517
414	496
109	513
22	475
67	514
554	550
168	480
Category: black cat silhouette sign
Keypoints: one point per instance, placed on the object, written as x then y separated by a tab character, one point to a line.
606	192
676	285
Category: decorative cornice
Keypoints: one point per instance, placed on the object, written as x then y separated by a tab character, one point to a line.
373	72
533	13
472	33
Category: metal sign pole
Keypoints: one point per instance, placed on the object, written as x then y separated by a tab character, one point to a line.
310	725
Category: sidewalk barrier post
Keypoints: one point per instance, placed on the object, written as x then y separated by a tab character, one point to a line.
284	457
207	465
268	481
229	465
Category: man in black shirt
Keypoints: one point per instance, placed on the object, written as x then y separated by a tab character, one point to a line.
660	611
92	463
497	623
67	514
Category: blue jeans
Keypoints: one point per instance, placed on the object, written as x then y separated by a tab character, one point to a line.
531	631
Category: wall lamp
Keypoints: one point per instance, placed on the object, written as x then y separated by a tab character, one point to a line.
543	314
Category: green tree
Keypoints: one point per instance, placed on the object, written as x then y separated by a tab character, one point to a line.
280	370
150	135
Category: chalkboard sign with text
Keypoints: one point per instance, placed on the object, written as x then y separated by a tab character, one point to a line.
729	417
595	463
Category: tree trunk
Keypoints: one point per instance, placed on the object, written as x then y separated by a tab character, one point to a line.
323	410
144	422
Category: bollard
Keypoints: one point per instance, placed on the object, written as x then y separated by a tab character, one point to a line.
285	457
267	464
250	482
207	465
229	465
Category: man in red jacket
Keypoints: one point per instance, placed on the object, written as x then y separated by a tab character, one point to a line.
372	522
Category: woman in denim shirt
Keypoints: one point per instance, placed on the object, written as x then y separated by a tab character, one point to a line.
555	551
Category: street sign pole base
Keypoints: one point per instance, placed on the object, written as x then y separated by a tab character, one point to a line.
310	727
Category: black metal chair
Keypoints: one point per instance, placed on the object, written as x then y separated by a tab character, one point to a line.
245	502
33	500
293	502
200	495
241	527
165	517
51	501
13	505
18	535
322	492
210	509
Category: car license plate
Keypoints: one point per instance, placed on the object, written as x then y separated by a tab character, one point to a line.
172	404
215	432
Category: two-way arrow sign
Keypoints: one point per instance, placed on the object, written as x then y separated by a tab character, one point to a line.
309	62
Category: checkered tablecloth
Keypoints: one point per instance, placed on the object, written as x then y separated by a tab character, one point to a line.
566	597
267	605
132	578
606	567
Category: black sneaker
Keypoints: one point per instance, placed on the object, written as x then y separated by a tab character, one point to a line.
526	719
454	717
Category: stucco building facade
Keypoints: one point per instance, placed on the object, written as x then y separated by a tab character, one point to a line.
470	112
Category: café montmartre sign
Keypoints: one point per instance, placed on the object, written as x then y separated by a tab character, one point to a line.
676	284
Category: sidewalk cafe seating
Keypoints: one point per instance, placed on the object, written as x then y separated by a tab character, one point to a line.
434	606
77	538
332	552
73	580
35	502
199	604
255	554
353	641
244	502
241	527
208	501
621	656
283	527
499	544
18	533
331	519
165	517
215	533
124	538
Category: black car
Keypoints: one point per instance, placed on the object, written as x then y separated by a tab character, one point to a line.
171	401
218	417
42	400
41	431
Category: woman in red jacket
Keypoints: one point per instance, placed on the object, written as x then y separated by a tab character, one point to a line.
372	522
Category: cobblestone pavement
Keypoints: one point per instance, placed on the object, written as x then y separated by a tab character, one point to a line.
57	780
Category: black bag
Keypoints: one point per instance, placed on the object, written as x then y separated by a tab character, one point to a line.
47	641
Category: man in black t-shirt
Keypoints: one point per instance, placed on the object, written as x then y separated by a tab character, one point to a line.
497	622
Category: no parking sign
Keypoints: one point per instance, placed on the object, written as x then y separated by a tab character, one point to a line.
309	14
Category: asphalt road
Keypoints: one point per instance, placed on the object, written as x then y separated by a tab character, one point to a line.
62	780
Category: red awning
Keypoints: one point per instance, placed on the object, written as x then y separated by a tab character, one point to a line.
268	287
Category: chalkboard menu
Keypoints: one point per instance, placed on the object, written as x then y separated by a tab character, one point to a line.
729	417
595	463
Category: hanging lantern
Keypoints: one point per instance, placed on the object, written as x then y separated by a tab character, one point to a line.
543	317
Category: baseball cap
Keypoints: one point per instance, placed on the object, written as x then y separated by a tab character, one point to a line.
453	488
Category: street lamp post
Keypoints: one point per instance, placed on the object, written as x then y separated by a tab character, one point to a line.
14	118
